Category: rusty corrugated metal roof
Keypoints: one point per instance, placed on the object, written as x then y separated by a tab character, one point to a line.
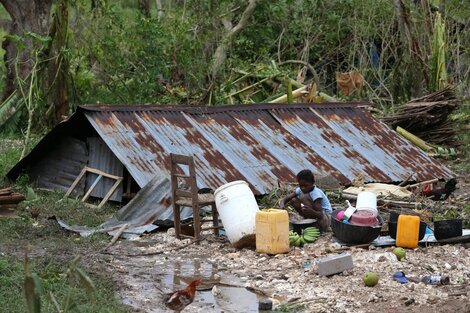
260	144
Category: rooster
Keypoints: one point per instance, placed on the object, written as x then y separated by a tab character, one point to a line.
179	299
35	213
440	193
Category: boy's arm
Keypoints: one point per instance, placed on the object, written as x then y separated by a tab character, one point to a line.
286	199
311	209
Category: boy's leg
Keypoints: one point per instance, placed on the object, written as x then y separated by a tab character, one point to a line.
324	223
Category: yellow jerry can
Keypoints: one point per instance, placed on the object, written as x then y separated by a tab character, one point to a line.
407	231
272	231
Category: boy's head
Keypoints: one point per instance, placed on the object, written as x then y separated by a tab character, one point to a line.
306	181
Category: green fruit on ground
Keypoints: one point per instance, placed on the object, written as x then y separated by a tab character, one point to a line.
400	253
370	279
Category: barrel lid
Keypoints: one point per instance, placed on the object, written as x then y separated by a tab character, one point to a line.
236	182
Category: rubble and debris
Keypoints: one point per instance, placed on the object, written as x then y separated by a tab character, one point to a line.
428	117
289	284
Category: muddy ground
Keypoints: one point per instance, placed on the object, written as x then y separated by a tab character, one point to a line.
159	262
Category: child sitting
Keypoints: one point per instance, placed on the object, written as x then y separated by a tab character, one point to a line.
309	201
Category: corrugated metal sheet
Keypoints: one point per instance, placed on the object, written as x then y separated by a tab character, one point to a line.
139	214
102	158
261	144
64	161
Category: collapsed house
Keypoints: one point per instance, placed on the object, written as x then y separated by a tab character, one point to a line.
262	144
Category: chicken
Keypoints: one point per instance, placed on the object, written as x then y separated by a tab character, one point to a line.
440	193
34	213
179	299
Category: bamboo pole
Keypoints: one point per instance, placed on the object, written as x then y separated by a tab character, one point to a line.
295	94
415	140
435	180
295	83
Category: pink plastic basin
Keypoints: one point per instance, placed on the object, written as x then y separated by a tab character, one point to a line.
363	218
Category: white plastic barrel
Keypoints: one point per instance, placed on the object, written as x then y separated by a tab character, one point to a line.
237	209
367	200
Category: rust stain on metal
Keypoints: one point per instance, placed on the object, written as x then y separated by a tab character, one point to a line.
261	144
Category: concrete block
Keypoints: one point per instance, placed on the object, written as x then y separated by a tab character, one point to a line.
335	264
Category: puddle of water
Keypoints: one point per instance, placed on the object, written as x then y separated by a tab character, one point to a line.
229	299
147	279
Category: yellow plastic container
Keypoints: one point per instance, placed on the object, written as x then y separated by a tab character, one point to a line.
407	231
272	231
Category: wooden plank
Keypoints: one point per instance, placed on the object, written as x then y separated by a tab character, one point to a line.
5	191
181	176
75	183
98	172
212	227
7	213
182	159
88	193
110	193
435	180
183	193
12	199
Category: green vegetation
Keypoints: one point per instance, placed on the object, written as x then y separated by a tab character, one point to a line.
55	279
17	235
112	54
51	247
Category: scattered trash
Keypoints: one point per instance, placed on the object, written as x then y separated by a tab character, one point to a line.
400	277
435	280
307	264
427	279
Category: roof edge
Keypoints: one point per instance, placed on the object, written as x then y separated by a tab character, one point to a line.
221	108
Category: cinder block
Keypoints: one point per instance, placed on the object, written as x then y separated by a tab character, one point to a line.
335	264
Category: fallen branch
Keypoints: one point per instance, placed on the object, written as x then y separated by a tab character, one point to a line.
431	181
316	78
116	236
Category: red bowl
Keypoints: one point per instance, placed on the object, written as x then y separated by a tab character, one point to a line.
363	218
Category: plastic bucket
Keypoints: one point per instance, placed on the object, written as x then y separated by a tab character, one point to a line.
237	209
447	228
367	201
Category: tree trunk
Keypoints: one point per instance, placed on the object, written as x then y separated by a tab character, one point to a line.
404	24
26	16
221	52
144	6
159	9
59	68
